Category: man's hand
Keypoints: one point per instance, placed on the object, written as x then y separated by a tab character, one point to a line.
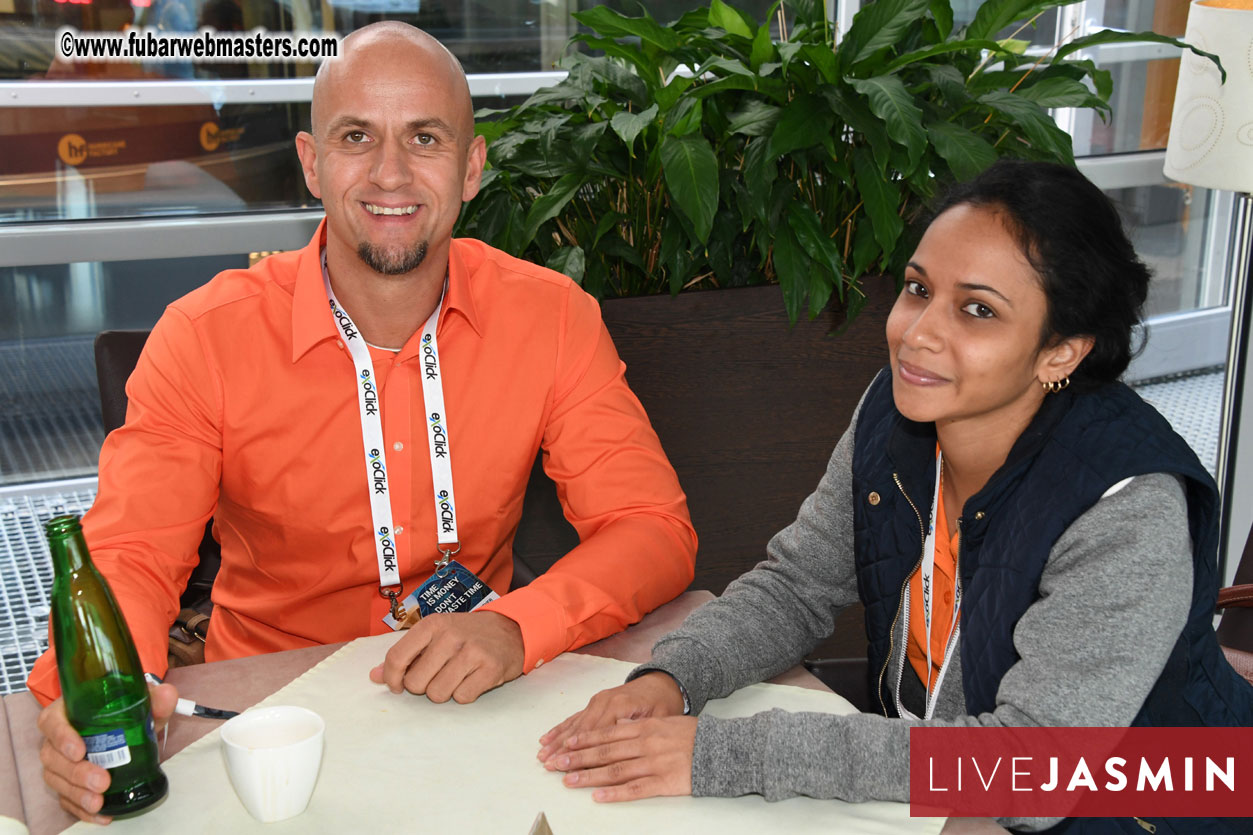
67	772
631	760
651	695
454	656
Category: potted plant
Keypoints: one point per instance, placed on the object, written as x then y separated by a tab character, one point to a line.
707	153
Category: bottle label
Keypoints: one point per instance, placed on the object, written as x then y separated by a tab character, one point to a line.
108	750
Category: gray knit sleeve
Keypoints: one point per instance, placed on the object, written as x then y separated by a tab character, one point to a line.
1114	597
768	619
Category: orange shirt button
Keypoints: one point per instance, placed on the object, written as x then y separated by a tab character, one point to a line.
948	597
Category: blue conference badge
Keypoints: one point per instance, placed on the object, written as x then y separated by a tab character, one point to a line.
453	588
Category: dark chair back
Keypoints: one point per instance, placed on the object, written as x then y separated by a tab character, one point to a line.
116	355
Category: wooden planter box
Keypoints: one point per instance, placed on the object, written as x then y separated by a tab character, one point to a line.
748	411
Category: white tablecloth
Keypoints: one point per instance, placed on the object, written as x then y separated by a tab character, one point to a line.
400	763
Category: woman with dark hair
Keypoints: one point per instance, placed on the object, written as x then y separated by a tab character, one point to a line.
1033	544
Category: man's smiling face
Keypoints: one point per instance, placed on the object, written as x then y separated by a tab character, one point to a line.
393	154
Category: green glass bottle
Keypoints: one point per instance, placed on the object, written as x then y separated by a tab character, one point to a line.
106	697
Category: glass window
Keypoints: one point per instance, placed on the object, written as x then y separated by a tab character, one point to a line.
50	426
1169	225
94	162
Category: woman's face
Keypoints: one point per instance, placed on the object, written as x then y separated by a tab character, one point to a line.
964	335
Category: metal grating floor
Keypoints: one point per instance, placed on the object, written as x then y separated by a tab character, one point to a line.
50	425
1191	404
26	578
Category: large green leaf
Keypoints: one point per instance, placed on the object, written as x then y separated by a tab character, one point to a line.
969	45
823	59
684	117
729	20
791	266
950	82
856	114
729	66
882	198
549	205
490	131
1111	36
607	221
631	54
563	95
892	103
618	79
772	87
1102	79
821	283
1033	122
804	222
866	249
995	15
568	260
668	96
755	118
763	49
628	125
880	24
691	172
673	256
1061	92
965	153
583	141
942	13
760	171
605	21
803	124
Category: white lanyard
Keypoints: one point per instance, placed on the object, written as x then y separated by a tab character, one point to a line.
374	446
927	571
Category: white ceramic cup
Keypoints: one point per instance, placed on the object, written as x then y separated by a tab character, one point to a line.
272	756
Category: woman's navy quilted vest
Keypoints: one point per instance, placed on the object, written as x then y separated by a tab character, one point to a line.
1076	448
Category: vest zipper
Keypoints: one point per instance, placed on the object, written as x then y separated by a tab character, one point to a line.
1145	825
922	538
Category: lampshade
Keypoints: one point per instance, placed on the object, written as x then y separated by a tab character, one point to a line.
1211	131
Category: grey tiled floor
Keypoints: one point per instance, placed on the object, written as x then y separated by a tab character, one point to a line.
1192	405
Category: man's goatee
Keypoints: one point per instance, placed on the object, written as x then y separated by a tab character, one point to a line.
389	262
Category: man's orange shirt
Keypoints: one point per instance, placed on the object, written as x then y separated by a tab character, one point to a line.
243	408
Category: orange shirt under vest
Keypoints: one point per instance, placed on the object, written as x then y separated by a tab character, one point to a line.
244	408
944	585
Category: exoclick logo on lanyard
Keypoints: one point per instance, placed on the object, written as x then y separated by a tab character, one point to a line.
927	572
452	588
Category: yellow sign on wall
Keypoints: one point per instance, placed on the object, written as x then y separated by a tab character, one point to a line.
212	137
73	149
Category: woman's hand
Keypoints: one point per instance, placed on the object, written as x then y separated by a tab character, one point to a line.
633	759
651	695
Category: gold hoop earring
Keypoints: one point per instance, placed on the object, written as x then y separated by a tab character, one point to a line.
1054	386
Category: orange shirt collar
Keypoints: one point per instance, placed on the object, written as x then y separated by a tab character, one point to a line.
311	316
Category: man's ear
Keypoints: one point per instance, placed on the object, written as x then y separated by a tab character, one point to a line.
476	158
308	153
1060	359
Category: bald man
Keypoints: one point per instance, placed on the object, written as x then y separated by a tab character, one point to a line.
442	360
